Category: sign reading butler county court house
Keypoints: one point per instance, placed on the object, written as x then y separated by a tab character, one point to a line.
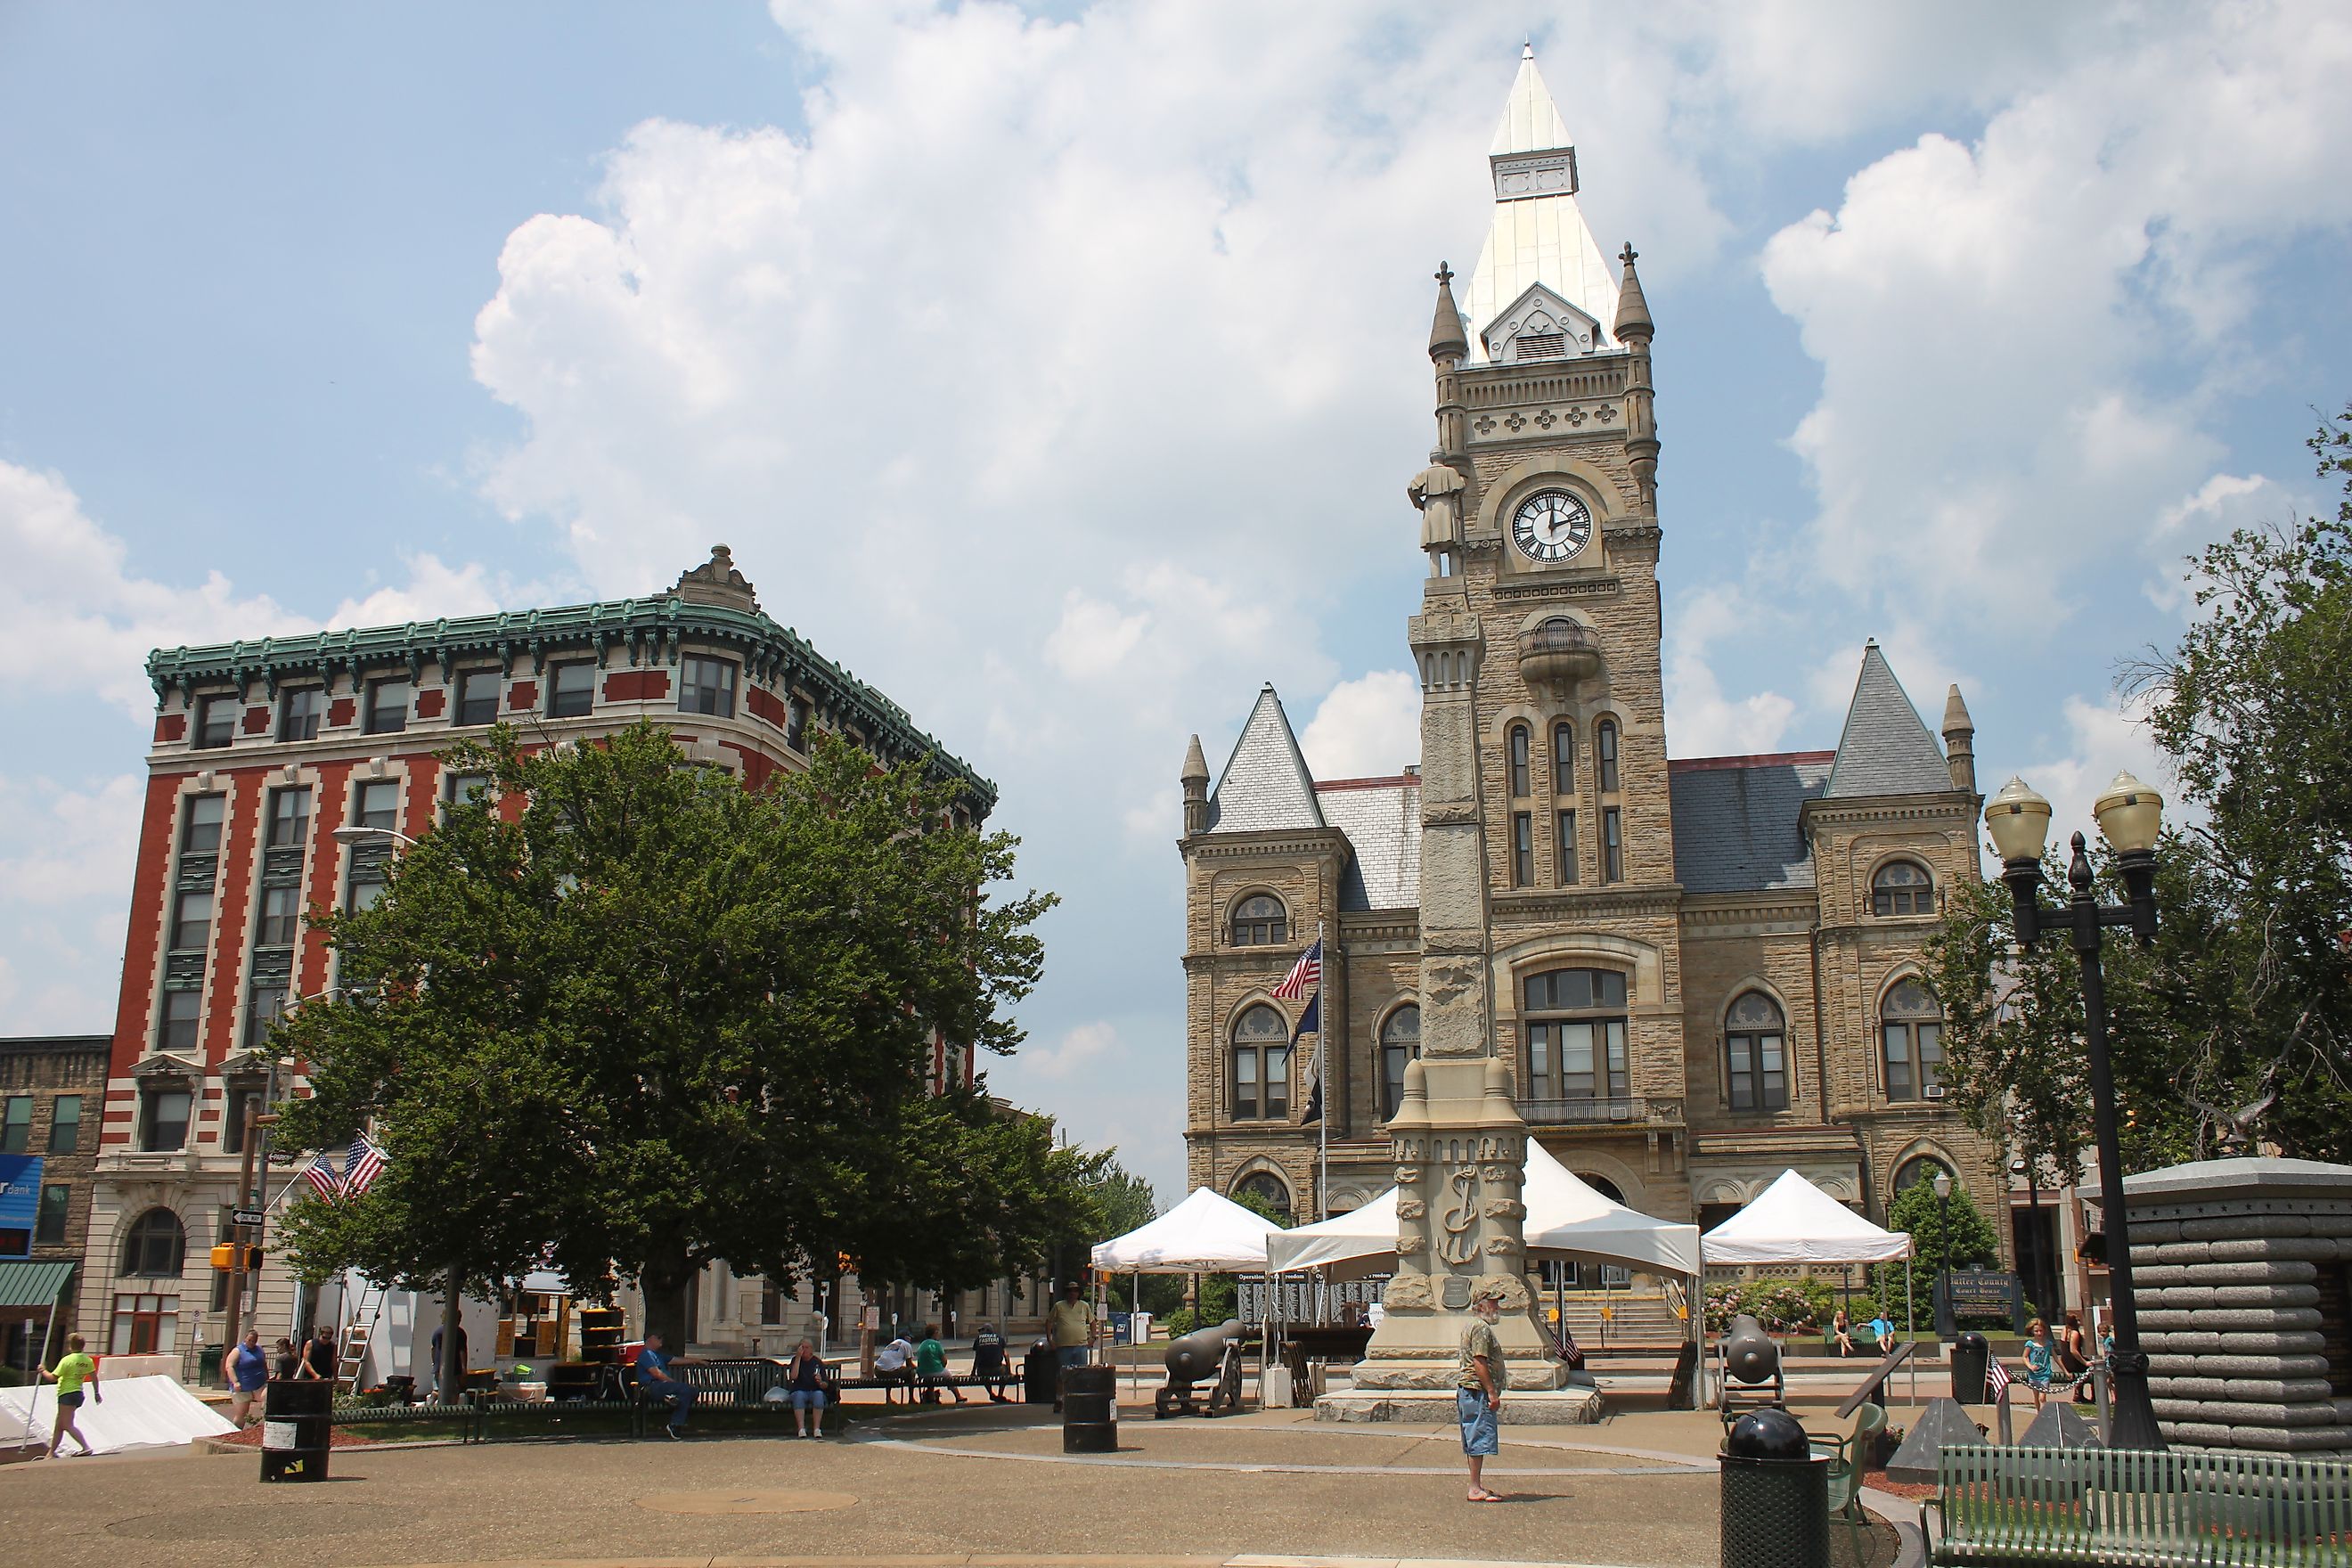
1983	1293
20	1201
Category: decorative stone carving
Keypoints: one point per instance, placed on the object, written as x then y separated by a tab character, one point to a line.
1504	1247
1408	1175
1411	1207
1506	1208
1409	1293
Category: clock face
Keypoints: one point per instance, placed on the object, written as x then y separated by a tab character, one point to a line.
1551	526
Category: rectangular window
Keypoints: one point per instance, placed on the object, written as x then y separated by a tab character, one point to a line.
465	787
200	828
707	686
478	697
64	1124
571	690
1277	1083
192	922
1543	1065
1523	848
387	707
1931	1056
1899	1082
1563	759
1566	847
1246	1085
1518	761
280	909
1604	755
1612	847
796	718
49	1222
377	803
16	1125
163	1123
289	818
145	1324
180	1020
241	1103
298	714
216	721
771	1303
264	1006
365	888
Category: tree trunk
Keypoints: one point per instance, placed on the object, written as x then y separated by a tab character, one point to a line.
452	1370
664	1282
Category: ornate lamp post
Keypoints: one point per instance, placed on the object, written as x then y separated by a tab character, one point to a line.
1948	1317
2130	815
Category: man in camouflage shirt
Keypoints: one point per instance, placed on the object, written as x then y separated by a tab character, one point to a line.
1478	1386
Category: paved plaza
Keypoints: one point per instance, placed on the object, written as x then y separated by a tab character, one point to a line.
986	1484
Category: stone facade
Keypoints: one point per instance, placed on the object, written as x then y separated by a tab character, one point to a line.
1729	937
2242	1270
52	1089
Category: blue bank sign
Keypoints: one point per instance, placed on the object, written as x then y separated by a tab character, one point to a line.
20	1203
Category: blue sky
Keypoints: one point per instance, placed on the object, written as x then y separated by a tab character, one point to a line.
1061	373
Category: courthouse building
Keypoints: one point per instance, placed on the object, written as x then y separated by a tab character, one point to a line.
263	750
1701	970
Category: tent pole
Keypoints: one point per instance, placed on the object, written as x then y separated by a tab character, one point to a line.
1911	1326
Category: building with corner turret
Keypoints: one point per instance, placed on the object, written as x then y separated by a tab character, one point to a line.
1702	970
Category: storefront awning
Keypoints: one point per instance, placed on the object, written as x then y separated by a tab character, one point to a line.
32	1287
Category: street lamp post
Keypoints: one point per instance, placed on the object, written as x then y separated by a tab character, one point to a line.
2130	815
1947	1317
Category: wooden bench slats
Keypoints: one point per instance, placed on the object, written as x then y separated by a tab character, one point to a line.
2182	1510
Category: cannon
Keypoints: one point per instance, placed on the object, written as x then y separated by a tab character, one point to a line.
1745	1355
1204	1352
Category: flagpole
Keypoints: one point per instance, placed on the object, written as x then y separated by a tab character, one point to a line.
1322	1087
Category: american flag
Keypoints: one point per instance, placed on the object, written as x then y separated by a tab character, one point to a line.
323	1177
362	1166
1996	1379
1305	975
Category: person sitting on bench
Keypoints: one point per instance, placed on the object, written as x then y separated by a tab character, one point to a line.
931	1363
990	1365
1883	1327
894	1369
655	1382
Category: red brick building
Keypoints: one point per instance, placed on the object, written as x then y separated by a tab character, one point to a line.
262	751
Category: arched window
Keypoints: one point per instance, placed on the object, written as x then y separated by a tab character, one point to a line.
1917	1169
1269	1189
154	1246
1563	758
1911	1028
1755	1054
1575	1023
1520	783
1902	888
1261	1066
1604	753
1399	1045
1260	920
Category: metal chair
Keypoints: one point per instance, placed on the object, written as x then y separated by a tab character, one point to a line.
1849	1457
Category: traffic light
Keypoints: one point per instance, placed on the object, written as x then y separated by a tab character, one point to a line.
225	1257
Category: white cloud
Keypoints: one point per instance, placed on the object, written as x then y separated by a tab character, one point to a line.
66	858
1366	727
1074	1052
1700	720
2100	739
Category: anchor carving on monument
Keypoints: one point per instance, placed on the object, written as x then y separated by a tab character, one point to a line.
1459	1246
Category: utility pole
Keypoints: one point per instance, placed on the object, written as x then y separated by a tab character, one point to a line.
257	1124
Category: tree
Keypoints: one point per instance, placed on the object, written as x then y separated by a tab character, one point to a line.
1967	1240
630	1011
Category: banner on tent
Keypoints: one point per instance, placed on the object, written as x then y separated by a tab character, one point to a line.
1299	1301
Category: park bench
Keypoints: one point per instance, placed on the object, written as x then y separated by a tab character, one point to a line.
836	1379
1864	1340
2186	1508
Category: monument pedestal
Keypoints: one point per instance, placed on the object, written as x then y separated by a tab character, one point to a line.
1431	1406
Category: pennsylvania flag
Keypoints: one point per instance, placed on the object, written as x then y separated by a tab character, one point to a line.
1311	1023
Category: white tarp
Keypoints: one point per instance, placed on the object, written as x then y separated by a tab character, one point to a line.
1566	1217
135	1413
1205	1234
1793	1221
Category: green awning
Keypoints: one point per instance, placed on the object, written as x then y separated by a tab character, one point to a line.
32	1285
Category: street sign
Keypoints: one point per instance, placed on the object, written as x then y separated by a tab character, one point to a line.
245	1216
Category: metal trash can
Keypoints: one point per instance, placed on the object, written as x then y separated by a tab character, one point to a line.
1775	1495
1972	1357
1037	1374
297	1426
1089	1410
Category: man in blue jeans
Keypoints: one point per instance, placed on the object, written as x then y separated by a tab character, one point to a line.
1071	1326
1478	1384
653	1380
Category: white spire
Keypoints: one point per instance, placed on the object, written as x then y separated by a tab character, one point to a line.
1539	234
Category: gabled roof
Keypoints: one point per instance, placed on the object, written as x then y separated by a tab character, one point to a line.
1539	234
1382	818
1265	783
1737	820
1885	749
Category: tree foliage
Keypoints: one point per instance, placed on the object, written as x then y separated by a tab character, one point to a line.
2236	1027
629	1011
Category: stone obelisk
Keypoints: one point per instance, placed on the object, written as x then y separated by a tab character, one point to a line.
1458	1142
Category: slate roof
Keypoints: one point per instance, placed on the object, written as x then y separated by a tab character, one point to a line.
1382	818
1885	749
1736	820
1265	783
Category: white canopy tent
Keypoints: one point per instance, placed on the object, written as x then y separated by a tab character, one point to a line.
1205	1234
1793	1221
1566	1217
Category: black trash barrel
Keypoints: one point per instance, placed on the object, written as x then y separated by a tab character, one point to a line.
1972	1355
1775	1495
1089	1410
1037	1369
295	1421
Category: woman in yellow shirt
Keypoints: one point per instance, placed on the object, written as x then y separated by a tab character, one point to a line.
73	1371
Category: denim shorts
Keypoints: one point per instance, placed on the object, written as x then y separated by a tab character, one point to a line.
1479	1433
807	1398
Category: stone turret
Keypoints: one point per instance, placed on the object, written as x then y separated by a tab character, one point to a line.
1195	781
1959	743
1448	347
1634	330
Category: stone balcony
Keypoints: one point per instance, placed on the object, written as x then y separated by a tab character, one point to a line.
1602	1111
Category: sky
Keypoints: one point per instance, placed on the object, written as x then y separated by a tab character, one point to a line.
1060	370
